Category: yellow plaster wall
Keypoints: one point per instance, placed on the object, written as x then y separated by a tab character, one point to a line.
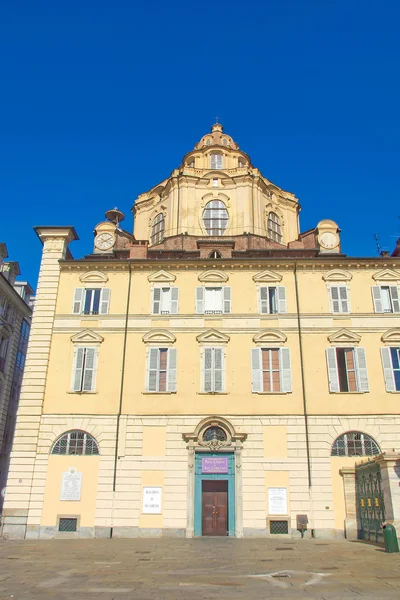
276	479
275	441
86	506
154	439
339	506
150	478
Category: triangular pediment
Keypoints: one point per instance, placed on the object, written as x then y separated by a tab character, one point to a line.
267	277
213	336
159	336
213	276
270	336
387	275
391	336
344	336
87	336
161	277
337	275
93	277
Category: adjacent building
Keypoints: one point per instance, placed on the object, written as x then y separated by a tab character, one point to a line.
213	373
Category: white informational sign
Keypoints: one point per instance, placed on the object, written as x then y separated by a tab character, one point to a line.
71	485
277	501
152	500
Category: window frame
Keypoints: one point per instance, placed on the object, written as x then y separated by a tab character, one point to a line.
285	370
342	302
170	370
226	300
213	224
393	296
172	302
216	161
213	369
84	370
157	233
335	451
67	434
360	369
274	228
79	301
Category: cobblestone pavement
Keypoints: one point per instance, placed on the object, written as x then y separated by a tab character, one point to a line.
197	569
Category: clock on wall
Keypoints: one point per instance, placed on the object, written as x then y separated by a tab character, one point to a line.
328	240
104	241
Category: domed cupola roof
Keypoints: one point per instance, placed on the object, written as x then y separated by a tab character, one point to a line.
217	138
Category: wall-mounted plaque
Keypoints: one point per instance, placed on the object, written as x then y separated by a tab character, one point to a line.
71	485
277	501
214	464
152	500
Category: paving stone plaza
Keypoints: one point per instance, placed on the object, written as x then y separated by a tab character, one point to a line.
198	569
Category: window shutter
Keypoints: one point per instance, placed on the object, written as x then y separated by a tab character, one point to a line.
263	299
394	292
174	299
376	296
152	370
156	301
256	373
362	373
344	299
77	371
388	370
89	370
78	300
104	301
285	371
171	370
218	369
227	300
332	370
207	370
213	161
335	304
281	291
200	300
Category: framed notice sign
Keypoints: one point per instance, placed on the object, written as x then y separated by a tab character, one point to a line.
71	485
277	501
152	500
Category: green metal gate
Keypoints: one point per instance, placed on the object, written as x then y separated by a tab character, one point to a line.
370	502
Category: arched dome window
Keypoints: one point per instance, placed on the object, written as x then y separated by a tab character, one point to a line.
215	217
157	230
274	228
213	434
355	443
76	442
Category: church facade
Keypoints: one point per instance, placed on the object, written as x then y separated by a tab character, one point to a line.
213	373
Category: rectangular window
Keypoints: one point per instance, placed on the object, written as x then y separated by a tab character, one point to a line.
347	370
67	524
215	182
339	296
89	301
391	368
272	299
271	370
386	298
161	370
216	161
213	300
165	300
213	379
83	378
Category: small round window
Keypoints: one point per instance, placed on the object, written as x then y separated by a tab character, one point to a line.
215	217
213	434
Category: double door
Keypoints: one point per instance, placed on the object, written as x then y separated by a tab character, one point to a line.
215	507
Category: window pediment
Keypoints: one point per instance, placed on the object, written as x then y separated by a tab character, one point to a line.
213	277
159	336
87	336
337	275
93	277
267	277
161	277
391	336
386	275
344	336
270	336
213	336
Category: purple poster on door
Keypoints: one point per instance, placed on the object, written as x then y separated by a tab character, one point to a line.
214	464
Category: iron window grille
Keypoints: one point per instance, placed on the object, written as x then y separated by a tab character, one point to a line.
67	524
76	442
214	434
278	527
355	443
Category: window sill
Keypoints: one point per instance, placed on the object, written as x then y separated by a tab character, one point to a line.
212	393
271	393
82	393
158	393
347	393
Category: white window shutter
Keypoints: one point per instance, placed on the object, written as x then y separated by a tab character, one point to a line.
376	296
218	369
227	300
174	300
156	301
263	300
281	291
394	293
171	370
207	370
89	370
104	301
285	370
77	370
256	380
200	300
152	370
332	370
335	304
388	370
344	299
362	373
78	301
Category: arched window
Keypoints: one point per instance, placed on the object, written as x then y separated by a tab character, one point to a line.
216	161
215	217
355	443
215	254
274	228
213	434
76	442
157	230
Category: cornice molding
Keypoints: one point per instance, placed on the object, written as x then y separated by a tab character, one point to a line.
344	336
391	336
161	277
87	336
387	275
267	277
213	336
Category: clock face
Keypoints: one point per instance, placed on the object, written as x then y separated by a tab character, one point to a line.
104	241
328	240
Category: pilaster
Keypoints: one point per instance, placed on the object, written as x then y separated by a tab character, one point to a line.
352	525
389	463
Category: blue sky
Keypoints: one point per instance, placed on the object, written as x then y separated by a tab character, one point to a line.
101	100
